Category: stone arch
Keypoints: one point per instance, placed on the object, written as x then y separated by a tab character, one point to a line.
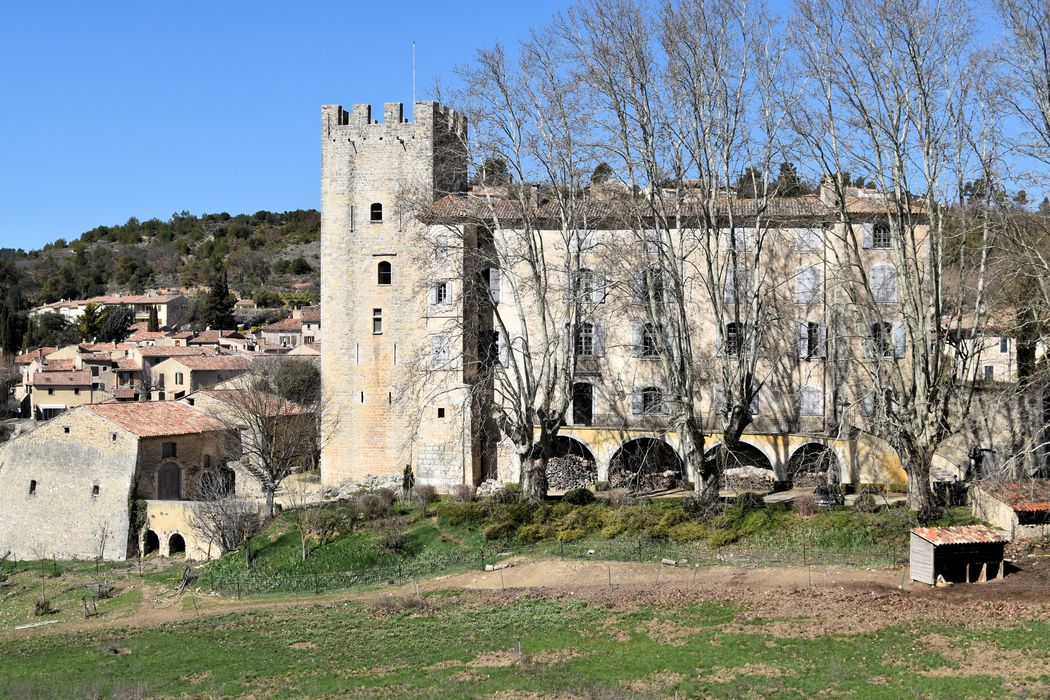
572	464
744	466
646	464
150	543
811	464
176	544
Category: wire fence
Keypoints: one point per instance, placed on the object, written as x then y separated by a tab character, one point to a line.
651	551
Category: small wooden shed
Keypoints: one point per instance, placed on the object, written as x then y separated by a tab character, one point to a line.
960	554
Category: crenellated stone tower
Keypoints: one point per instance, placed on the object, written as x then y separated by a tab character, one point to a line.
375	313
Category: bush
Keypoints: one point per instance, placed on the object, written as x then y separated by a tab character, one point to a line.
700	507
619	497
570	534
374	506
43	607
426	494
463	493
511	493
601	485
462	513
805	504
749	501
687	532
578	497
529	534
866	503
393	540
503	530
386	494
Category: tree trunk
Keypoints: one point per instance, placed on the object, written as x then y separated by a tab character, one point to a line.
533	479
302	541
269	502
704	472
920	493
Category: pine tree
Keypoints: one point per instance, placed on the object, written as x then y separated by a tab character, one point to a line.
153	323
218	307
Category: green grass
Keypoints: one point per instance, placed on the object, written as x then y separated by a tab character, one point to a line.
463	648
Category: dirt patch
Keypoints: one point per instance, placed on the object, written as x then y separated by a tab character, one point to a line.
495	659
976	659
666	632
555	656
654	682
298	646
726	675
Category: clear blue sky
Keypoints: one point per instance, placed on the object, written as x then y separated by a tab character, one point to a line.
119	109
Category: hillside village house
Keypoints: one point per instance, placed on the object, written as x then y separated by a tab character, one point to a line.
178	376
172	309
304	327
74	480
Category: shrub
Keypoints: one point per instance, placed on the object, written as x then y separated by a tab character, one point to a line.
510	493
394	540
866	503
722	537
502	530
805	504
529	534
386	494
687	532
462	513
701	507
619	497
601	485
570	534
578	497
749	501
463	493
374	506
43	607
426	494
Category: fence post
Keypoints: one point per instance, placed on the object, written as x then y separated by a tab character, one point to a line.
238	586
399	577
805	561
317	584
639	550
481	551
561	545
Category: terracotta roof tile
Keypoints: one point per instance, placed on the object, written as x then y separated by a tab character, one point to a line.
58	366
285	326
217	362
156	418
79	378
1030	495
960	534
310	314
27	357
175	351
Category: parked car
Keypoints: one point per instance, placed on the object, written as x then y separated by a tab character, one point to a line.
827	495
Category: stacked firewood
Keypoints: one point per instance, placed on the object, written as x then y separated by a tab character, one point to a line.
571	472
748	479
644	481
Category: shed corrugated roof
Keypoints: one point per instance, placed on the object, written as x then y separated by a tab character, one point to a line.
960	534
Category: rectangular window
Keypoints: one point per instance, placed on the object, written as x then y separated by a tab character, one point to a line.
439	347
377	321
168	450
989	373
1004	344
178	378
441	293
584	345
94	370
733	342
882	338
880	235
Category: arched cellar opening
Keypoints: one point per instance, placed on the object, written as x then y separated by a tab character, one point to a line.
571	465
646	465
812	465
176	545
743	467
150	543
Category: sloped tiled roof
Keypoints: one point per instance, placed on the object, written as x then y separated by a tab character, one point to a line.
262	402
156	418
213	336
1029	495
216	362
175	351
285	326
27	357
58	366
310	314
78	378
960	534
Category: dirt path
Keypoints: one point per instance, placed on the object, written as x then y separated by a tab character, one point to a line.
835	599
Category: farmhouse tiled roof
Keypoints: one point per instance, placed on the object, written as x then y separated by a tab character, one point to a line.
467	208
175	351
960	534
58	366
77	378
156	418
213	336
1029	495
310	314
284	326
128	364
216	362
262	402
38	354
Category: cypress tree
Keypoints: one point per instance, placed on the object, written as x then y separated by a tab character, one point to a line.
218	309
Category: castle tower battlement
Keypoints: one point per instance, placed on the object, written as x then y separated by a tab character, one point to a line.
374	177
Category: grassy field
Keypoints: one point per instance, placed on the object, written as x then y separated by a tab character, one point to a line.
476	645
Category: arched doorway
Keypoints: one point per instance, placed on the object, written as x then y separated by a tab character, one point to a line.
571	465
150	543
646	464
811	465
169	482
743	467
176	545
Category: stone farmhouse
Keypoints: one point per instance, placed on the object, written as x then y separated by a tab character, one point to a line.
303	328
172	309
401	294
178	376
69	487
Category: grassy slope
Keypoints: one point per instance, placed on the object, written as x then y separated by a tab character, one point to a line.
466	649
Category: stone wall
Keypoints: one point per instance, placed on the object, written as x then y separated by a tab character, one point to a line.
190	453
65	514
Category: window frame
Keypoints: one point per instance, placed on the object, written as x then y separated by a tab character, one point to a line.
373	209
377	321
384	269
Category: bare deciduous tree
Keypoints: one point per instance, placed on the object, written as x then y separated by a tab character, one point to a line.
225	519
